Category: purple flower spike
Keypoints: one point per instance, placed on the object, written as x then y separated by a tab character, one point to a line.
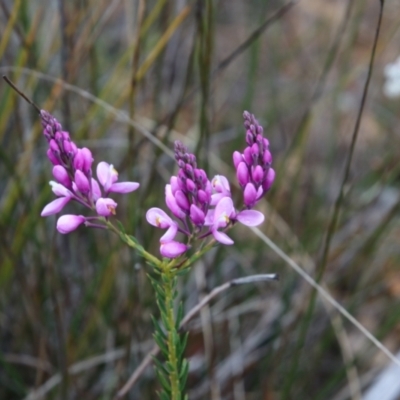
253	167
68	223
73	172
172	249
105	207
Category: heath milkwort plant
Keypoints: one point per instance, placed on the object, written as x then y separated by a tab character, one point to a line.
72	171
201	211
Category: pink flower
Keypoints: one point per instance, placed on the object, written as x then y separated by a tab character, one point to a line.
224	213
168	247
108	176
221	187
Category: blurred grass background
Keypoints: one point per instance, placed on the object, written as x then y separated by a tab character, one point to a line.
75	310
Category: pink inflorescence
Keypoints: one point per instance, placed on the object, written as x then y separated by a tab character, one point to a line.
72	170
253	166
196	203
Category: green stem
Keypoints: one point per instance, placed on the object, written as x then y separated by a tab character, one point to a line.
169	289
129	240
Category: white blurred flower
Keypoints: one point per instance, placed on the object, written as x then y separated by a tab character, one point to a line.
391	87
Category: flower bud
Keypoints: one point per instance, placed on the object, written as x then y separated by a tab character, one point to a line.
197	215
52	157
81	181
190	185
182	200
255	151
257	174
87	159
242	174
65	135
54	146
203	197
67	146
269	180
78	160
248	156
249	195
237	158
174	184
61	175
267	157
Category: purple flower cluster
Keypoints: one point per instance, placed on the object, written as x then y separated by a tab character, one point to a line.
253	166
196	203
72	170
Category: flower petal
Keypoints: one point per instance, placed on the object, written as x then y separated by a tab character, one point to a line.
209	220
55	206
172	249
216	197
197	215
123	187
81	181
159	218
250	195
172	204
102	172
68	223
250	217
222	237
242	174
96	192
105	207
60	190
170	234
224	207
61	175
